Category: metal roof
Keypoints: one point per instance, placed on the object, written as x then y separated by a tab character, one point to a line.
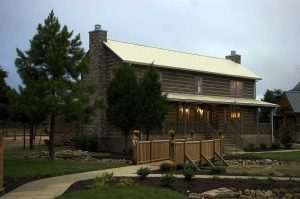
146	55
218	100
294	100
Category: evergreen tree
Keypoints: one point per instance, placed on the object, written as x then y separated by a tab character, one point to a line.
51	70
153	105
4	99
271	97
122	101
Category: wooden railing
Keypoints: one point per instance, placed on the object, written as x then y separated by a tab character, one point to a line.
200	127
157	150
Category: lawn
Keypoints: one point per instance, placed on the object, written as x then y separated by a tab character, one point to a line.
19	169
282	156
124	192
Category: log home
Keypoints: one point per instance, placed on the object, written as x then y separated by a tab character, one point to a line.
212	96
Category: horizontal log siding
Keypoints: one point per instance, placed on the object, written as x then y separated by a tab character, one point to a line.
216	85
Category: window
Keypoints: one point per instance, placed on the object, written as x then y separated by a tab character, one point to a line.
235	115
113	72
236	88
198	84
160	77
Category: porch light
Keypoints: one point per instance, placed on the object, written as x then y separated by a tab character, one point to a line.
181	109
187	110
200	111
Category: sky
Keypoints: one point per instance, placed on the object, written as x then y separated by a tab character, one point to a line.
265	32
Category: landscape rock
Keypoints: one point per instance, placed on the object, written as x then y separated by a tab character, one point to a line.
268	193
221	193
194	195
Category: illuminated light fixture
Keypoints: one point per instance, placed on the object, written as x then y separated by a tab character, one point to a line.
181	109
200	111
187	110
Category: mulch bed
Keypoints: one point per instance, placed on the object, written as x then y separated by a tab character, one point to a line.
200	185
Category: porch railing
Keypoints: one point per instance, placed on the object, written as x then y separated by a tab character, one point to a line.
199	127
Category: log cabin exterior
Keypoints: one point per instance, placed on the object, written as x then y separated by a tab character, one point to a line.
212	96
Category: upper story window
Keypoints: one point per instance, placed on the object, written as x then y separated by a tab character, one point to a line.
112	73
236	88
160	77
198	84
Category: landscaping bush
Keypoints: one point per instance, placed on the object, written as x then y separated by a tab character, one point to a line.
126	182
287	140
143	172
217	170
250	147
167	166
191	166
188	173
179	166
104	179
263	146
46	142
167	179
275	145
85	142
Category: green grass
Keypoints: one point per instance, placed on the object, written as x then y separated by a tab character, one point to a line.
17	167
132	192
283	156
286	170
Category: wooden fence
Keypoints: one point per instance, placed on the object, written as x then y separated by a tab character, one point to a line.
176	150
1	162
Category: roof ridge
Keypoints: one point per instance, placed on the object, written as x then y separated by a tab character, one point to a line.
169	50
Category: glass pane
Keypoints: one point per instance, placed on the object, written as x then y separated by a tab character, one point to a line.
232	87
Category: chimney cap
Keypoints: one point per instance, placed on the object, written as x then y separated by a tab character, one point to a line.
233	52
97	27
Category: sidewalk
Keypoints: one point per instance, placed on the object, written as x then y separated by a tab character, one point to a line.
50	188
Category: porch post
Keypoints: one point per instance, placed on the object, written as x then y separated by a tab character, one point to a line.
184	118
272	128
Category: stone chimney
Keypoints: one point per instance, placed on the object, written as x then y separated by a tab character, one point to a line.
96	75
234	57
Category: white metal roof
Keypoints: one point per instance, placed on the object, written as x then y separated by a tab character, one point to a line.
145	55
218	100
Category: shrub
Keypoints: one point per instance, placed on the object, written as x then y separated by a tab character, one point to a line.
263	146
143	172
250	147
104	179
179	166
167	179
191	166
287	140
85	142
167	166
275	145
217	170
46	142
188	173
126	182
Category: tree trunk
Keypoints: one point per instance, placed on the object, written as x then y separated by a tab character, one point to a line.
24	135
51	138
126	143
31	144
148	130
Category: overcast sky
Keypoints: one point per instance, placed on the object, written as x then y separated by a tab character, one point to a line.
265	32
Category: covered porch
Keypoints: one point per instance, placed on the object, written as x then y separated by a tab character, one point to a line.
214	116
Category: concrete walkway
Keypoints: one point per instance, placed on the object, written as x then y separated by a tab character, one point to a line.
50	188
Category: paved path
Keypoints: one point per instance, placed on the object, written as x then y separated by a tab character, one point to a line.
50	188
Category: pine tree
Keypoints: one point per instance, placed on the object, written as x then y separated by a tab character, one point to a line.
4	99
51	70
122	101
153	105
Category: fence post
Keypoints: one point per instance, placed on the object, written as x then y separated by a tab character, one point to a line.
1	163
184	149
151	147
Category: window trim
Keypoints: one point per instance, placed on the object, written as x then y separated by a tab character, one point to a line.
198	84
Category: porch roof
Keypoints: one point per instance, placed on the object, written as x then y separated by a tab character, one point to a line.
181	97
